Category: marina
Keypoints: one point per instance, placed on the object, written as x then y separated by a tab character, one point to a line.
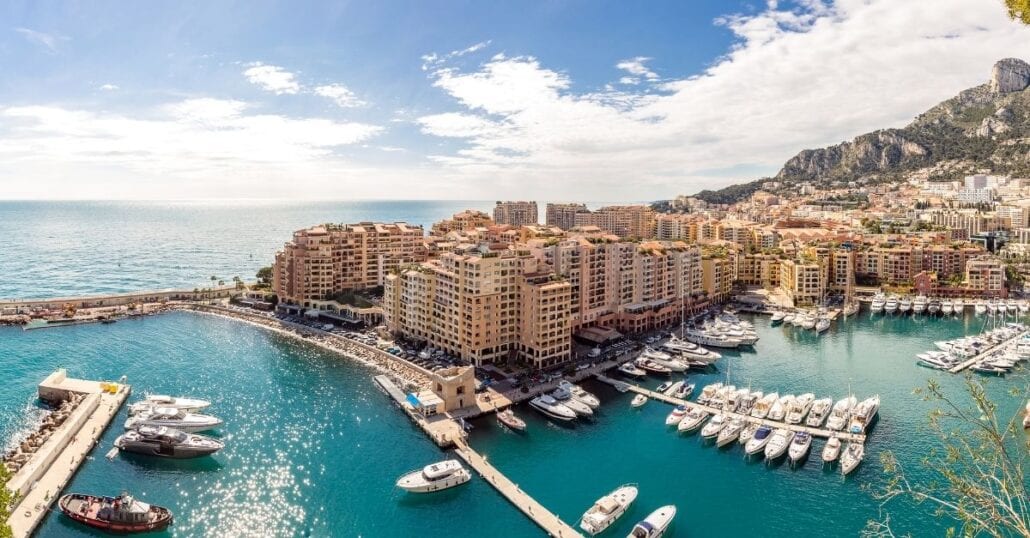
979	357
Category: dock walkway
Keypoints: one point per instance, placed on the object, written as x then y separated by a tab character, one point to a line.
814	432
548	521
986	352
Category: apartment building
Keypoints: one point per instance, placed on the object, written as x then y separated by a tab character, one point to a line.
515	213
676	228
545	319
463	221
563	215
627	221
986	275
324	260
761	270
898	264
803	280
718	276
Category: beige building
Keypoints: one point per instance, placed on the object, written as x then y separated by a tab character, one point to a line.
677	228
564	215
464	221
545	324
455	387
803	280
627	221
515	213
985	274
325	260
718	276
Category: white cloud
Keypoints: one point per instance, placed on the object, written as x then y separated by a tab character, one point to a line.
339	94
109	87
796	78
636	67
272	78
433	59
50	41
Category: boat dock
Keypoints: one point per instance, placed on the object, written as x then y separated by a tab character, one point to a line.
443	429
814	432
549	522
51	466
979	357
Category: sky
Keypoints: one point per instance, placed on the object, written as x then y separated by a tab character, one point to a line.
576	100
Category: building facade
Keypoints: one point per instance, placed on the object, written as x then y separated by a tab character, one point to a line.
515	213
564	215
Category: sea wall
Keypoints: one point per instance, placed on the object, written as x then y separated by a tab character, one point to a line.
44	457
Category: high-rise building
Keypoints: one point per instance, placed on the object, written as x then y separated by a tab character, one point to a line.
626	221
564	215
325	260
463	221
515	213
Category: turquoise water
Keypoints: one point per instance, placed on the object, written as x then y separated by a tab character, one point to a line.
313	449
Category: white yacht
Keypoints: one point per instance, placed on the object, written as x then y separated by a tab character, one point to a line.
508	418
863	414
730	432
719	400
714	426
748	432
1024	306
683	391
631	370
789	318
161	400
654	525
676	416
919	304
798	409
947	307
664	359
879	302
822	325
959	306
734	399
178	419
638	401
547	405
934	306
831	451
820	410
708	393
607	509
764	404
980	307
905	305
566	399
779	443
579	394
777	316
435	477
693	420
1012	306
840	413
890	306
778	411
851	457
799	447
992	306
747	403
650	366
758	441
690	350
708	337
809	321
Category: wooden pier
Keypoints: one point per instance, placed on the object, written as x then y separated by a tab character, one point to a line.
549	522
979	357
814	432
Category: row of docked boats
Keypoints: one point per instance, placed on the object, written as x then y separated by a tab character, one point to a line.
608	509
892	304
817	321
566	403
996	358
724	330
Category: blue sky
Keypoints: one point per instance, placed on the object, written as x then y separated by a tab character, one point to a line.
484	100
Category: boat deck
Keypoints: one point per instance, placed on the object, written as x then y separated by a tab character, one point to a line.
549	522
986	352
814	432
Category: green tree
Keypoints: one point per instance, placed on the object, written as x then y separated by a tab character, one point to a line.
977	477
6	500
1019	10
264	275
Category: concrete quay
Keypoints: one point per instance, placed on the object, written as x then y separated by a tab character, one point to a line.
42	479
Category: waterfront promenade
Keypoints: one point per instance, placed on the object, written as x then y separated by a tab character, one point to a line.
549	522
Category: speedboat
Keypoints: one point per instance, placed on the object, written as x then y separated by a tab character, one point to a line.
891	305
779	443
579	394
676	415
692	420
508	418
905	304
778	411
566	399
851	457
435	477
863	414
840	413
123	514
631	370
832	450
799	447
822	325
547	405
878	304
762	406
683	391
160	400
820	410
757	442
714	426
708	393
730	432
919	304
167	443
777	316
748	432
798	409
654	525
178	419
665	360
651	366
663	387
607	509
638	401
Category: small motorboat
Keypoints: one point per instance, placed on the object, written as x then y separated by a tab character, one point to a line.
664	387
607	509
654	525
748	432
832	450
683	391
435	477
552	408
778	316
676	415
779	443
851	457
122	514
178	419
175	402
799	447
758	441
730	433
508	418
631	370
692	421
714	426
638	401
167	443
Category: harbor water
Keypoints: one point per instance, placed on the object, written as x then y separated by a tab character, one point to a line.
313	449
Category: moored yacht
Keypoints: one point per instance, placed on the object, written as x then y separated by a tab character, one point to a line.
890	305
863	414
840	413
435	477
167	443
664	359
178	419
980	307
547	405
579	394
638	401
764	404
650	366
654	525
758	441
631	370
607	509
712	338
508	418
714	426
822	324
779	443
934	306
919	304
905	304
798	409
851	457
947	307
676	416
809	321
820	410
566	399
683	391
122	515
878	304
730	433
777	316
799	447
161	400
789	318
690	350
831	451
708	393
778	411
693	420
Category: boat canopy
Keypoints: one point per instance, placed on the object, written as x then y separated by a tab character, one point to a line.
607	505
